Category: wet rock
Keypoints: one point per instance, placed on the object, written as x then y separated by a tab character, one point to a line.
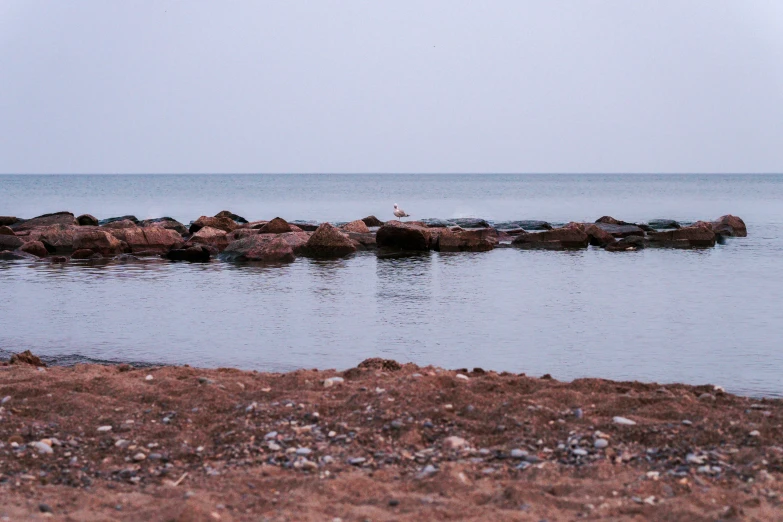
120	224
35	248
260	248
699	235
471	223
16	255
623	421
26	357
45	220
568	237
231	216
525	224
7	221
663	224
85	254
609	220
6	231
363	241
109	221
307	226
167	223
597	236
729	225
194	254
438	223
87	220
627	243
97	240
328	241
403	237
357	226
474	240
220	223
210	236
372	221
276	226
10	242
620	231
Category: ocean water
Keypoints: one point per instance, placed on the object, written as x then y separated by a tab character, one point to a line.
701	316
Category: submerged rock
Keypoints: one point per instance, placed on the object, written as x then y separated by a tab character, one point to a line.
196	253
16	255
35	248
525	224
568	237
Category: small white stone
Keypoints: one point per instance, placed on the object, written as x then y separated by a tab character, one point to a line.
601	443
139	457
43	448
454	443
755	433
104	429
148	377
623	421
331	381
463	377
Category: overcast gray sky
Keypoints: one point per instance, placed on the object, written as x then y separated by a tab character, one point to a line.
391	86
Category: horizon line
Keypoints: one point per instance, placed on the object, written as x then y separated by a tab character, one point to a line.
391	173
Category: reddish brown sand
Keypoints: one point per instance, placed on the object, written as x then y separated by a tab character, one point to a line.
192	444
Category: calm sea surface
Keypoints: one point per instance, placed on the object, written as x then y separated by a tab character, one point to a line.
707	316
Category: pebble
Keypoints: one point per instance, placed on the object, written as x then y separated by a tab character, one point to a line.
579	452
428	470
623	421
523	465
686	422
755	433
358	461
396	424
601	443
139	457
45	508
270	435
578	413
43	448
122	443
5	399
462	377
148	378
155	456
104	429
273	446
331	381
518	454
303	452
394	502
454	443
692	458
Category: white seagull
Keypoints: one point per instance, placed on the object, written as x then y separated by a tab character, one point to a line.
399	213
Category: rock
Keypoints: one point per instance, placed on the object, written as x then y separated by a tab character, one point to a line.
265	247
372	221
601	443
623	421
104	429
17	255
231	216
46	220
597	236
97	240
428	470
221	223
58	239
138	457
518	454
579	452
35	248
45	508
568	237
8	220
729	225
331	381
525	224
438	223
357	461
85	253
104	222
471	223
357	226
10	242
474	240
43	448
755	433
6	231
151	240
167	223
454	443
303	452
194	254
210	236
620	231
87	220
462	377
120	224
627	243
663	224
699	235
308	226
609	220
276	226
363	241
403	237
26	357
328	241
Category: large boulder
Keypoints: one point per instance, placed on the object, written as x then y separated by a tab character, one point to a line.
372	221
357	226
307	226
110	220
471	223
620	231
231	216
120	224
700	235
609	220
165	222
438	223
194	254
597	236
271	248
6	231
568	237
404	237
524	224
210	236
46	220
35	248
473	240
97	240
277	226
363	241
10	242
663	224
58	239
730	226
151	240
328	241
8	220
221	223
87	220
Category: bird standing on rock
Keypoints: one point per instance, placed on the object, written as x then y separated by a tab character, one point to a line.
399	213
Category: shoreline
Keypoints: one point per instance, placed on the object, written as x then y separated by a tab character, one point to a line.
382	441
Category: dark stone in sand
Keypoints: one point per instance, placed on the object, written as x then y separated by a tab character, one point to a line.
570	236
403	237
198	253
372	221
8	220
221	223
10	242
621	230
35	248
328	241
230	215
663	224
471	223
104	222
87	220
57	218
